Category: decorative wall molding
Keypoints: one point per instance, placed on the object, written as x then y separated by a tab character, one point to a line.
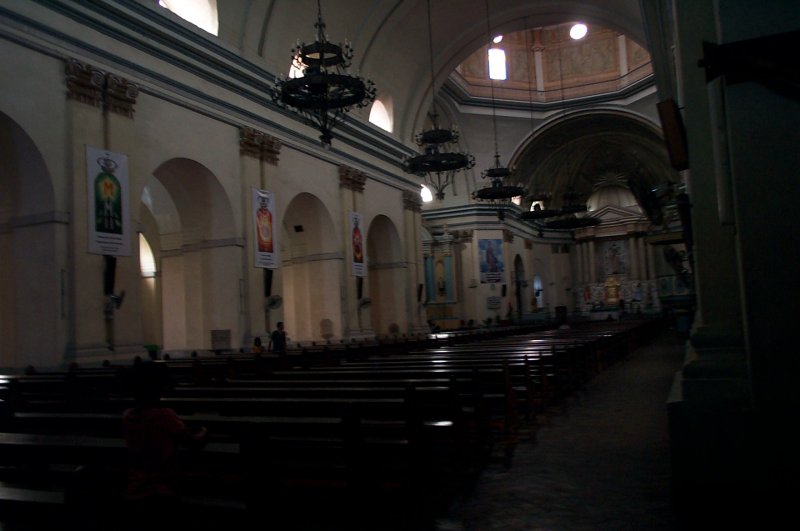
92	86
352	178
254	143
412	201
508	236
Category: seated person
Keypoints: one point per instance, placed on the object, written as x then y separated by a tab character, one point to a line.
257	348
153	435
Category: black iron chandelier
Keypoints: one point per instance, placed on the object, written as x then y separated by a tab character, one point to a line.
324	92
572	213
499	192
437	164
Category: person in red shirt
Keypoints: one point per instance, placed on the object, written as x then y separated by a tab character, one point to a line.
153	435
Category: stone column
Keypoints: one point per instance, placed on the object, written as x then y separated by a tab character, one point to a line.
633	260
644	271
259	152
412	224
592	269
579	258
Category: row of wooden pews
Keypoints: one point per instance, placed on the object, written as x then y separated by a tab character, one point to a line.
362	437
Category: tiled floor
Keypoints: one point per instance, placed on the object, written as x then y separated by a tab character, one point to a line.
601	464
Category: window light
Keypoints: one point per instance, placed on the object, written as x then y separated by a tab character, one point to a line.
147	262
427	195
379	115
498	39
497	63
578	31
201	13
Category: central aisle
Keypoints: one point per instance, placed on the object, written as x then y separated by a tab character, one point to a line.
601	464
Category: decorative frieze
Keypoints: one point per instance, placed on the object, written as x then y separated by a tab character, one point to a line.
253	143
412	201
352	178
92	86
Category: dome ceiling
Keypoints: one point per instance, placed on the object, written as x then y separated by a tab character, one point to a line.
545	65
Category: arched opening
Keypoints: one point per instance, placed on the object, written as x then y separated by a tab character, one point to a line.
381	113
519	286
187	219
311	271
33	275
201	13
386	277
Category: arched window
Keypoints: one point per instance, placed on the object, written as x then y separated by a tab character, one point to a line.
201	13
497	63
381	114
147	262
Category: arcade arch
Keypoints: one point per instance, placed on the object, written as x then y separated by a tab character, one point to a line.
188	220
33	268
386	277
311	270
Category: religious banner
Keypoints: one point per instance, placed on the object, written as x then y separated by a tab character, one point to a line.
266	244
109	213
357	238
491	260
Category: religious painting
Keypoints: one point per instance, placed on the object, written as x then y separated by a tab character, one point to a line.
359	267
491	260
615	258
108	202
266	246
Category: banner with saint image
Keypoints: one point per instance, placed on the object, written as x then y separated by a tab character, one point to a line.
491	260
108	202
266	243
357	239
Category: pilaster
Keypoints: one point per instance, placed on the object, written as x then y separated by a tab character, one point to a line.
259	157
100	107
357	320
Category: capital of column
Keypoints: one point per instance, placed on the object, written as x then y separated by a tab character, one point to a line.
85	83
120	95
412	201
92	86
351	178
254	143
